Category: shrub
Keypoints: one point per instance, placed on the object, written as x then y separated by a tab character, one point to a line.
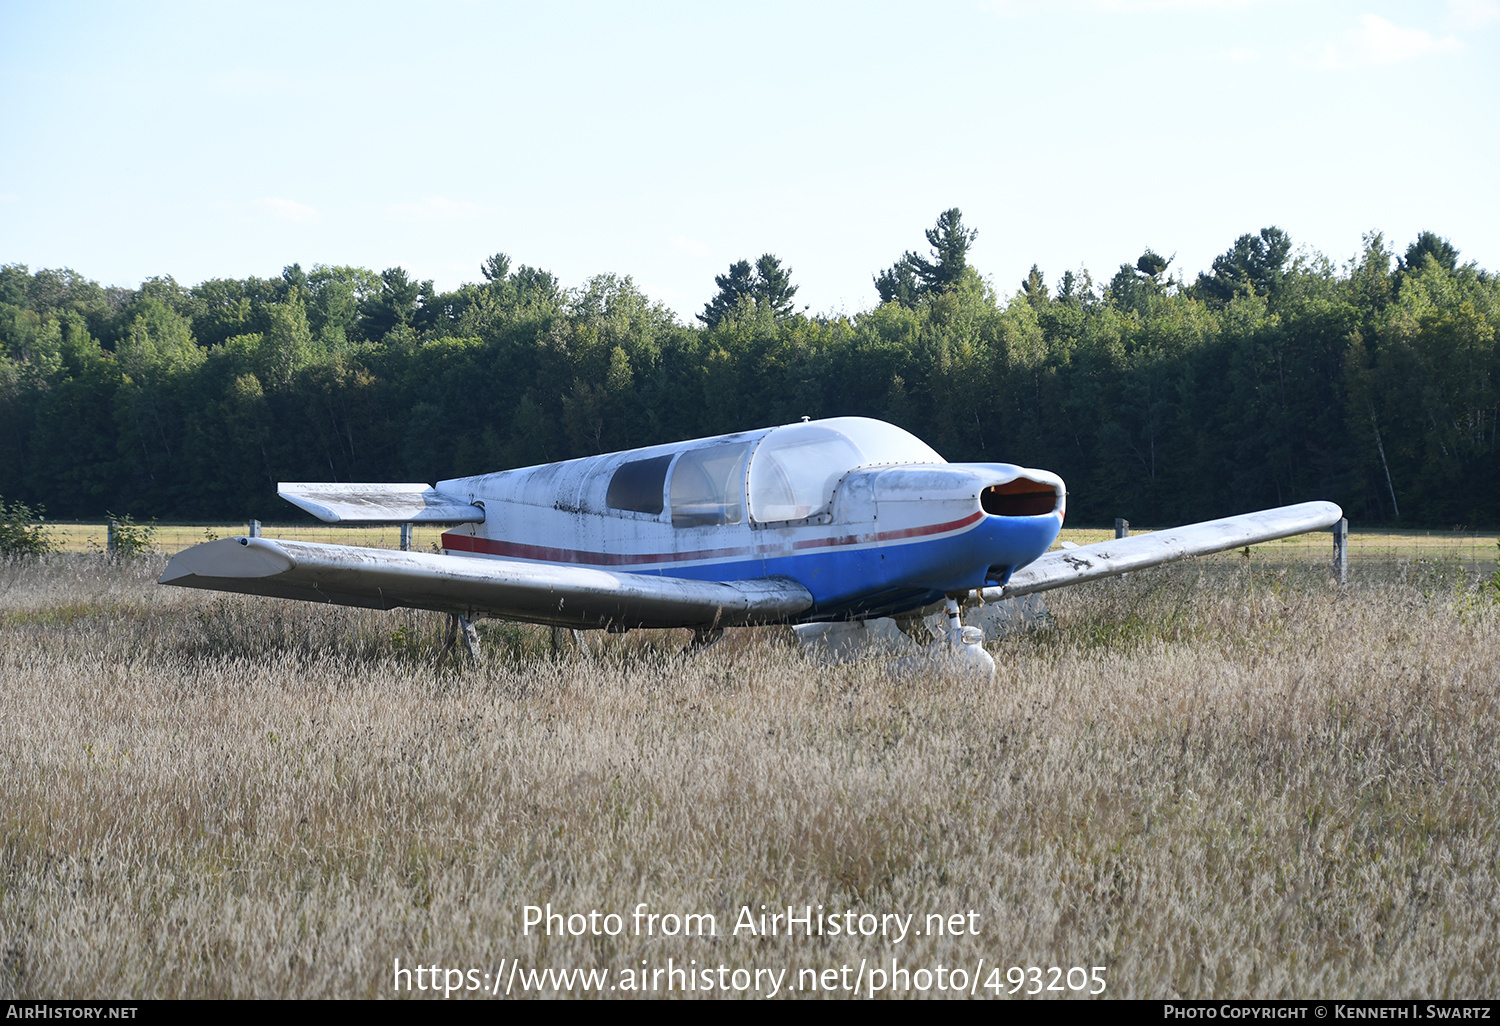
132	539
23	530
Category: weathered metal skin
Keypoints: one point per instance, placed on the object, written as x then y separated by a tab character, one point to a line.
561	596
379	503
891	537
1122	555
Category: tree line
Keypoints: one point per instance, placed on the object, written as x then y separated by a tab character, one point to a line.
1272	377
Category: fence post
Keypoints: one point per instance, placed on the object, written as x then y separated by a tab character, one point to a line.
111	541
1122	528
255	528
1341	551
405	537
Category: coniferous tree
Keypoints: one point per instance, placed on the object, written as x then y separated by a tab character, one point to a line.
1034	287
1152	264
1428	244
950	242
773	285
913	276
899	283
1253	266
734	286
495	268
768	282
398	304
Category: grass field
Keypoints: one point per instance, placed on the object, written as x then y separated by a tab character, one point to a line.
1224	779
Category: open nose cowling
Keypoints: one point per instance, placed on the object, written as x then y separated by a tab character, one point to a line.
984	519
1024	496
1025	509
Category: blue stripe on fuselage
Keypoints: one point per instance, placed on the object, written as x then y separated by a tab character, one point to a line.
894	577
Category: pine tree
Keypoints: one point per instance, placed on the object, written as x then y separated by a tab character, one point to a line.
913	276
773	285
738	284
1254	265
768	282
1428	244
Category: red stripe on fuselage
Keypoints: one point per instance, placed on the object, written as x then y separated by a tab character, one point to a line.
910	532
547	554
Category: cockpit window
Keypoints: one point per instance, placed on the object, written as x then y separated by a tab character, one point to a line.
638	485
883	444
795	469
708	486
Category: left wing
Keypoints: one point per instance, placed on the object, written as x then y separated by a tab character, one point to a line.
564	596
1122	555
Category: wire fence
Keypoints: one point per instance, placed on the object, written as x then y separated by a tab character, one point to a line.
1475	552
170	539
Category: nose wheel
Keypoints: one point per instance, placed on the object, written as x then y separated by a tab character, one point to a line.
966	644
955	648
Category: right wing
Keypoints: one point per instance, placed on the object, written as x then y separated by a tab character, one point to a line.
549	593
1122	555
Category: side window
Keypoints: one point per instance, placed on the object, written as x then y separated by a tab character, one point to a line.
638	485
708	486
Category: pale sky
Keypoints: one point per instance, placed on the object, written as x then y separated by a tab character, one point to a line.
665	141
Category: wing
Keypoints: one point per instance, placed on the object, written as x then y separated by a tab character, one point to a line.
385	503
1108	558
564	596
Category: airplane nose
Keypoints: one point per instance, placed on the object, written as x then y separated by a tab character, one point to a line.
1021	497
1026	508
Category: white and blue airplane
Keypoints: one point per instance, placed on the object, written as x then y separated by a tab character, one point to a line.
827	520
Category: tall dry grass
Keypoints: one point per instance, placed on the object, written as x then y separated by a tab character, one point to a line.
1219	780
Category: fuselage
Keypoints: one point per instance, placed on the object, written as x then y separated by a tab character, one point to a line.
864	515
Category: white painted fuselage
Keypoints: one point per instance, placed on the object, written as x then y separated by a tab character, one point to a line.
870	520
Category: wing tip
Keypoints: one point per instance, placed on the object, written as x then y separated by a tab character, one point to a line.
228	558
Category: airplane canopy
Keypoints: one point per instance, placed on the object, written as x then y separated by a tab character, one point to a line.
795	468
772	475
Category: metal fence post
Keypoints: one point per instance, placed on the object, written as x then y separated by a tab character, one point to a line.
405	537
1341	551
111	541
1122	528
255	528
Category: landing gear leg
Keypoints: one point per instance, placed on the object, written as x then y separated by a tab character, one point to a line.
580	643
956	649
456	622
955	621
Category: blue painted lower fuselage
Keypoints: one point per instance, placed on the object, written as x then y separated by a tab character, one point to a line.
890	578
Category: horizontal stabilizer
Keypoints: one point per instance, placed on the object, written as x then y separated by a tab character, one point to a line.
384	503
1122	555
564	596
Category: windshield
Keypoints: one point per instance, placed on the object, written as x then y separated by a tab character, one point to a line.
796	468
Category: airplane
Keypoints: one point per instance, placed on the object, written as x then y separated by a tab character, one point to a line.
818	521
